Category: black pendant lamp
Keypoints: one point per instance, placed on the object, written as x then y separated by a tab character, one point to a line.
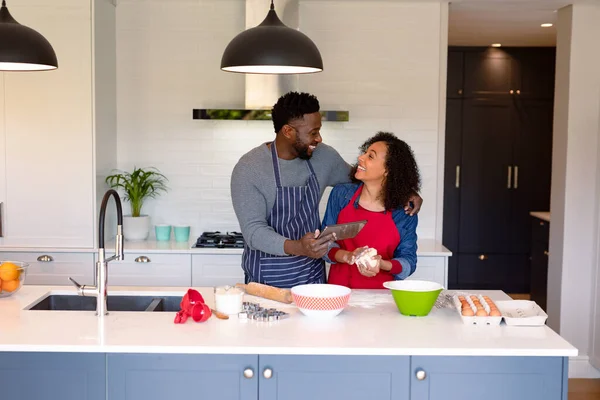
22	48
272	48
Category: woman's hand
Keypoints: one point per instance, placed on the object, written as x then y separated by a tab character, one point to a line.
348	257
370	269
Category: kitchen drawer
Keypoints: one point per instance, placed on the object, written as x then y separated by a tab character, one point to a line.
152	269
431	268
215	270
510	273
57	269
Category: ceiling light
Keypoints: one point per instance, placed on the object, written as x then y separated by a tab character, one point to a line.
546	25
22	48
272	48
496	45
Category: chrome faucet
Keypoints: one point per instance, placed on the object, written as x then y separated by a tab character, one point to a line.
100	289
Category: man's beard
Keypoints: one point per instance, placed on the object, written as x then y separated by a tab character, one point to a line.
302	150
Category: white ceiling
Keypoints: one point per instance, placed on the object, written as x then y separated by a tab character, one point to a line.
509	22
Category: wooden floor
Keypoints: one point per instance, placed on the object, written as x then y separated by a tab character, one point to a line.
579	389
584	389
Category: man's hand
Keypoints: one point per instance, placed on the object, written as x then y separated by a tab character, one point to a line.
309	246
417	201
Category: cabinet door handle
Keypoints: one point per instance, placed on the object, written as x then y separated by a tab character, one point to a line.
546	253
421	375
268	373
1	219
248	373
45	258
511	91
460	91
508	184
142	259
483	257
457	181
518	91
516	179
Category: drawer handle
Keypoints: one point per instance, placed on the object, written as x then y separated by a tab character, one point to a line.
142	259
45	258
248	373
546	253
268	373
482	257
421	375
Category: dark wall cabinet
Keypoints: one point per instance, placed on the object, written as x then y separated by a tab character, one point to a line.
497	162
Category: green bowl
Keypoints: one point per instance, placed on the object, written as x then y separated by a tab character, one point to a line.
414	298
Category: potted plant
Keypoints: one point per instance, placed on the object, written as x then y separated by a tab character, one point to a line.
138	186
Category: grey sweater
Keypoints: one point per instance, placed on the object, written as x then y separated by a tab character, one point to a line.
253	189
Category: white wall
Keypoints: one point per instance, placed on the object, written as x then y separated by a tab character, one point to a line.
385	70
104	108
573	228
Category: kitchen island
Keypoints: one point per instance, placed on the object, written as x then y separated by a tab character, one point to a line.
369	351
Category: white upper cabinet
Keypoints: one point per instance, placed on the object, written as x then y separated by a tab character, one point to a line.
48	136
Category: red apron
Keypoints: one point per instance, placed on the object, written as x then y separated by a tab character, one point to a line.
380	233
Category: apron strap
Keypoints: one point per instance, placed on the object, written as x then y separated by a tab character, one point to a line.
275	158
275	164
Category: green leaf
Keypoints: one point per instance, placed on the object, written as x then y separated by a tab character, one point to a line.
138	186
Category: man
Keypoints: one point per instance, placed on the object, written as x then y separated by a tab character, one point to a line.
276	189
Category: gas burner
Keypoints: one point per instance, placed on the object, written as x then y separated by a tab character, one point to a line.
220	240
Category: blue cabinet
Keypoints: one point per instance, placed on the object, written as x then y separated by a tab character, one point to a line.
489	378
91	376
182	377
52	376
333	377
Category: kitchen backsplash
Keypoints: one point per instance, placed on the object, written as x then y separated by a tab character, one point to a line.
165	70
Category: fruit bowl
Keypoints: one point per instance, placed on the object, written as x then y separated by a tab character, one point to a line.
12	277
413	297
321	300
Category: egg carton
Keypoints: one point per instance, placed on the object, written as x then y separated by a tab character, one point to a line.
475	320
522	313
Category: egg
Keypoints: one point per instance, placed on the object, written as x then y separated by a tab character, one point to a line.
481	313
467	312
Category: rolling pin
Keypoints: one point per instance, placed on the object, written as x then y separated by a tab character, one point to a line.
267	292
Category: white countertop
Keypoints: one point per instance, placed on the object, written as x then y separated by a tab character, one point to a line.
544	215
370	325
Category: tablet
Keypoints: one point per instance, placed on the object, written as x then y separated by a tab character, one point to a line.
344	231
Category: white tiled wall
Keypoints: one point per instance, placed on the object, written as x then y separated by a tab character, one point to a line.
382	63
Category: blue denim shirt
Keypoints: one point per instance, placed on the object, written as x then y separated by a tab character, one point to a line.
405	253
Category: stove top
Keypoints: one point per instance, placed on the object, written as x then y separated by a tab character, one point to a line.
228	240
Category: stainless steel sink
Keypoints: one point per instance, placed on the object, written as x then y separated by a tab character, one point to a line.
66	302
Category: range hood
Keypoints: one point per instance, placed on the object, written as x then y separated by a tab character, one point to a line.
258	114
262	91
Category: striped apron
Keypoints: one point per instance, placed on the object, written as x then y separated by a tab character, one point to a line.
295	213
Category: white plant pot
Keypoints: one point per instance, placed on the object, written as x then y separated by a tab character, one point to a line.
136	228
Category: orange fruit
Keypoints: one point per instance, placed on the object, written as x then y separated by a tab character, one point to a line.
9	271
0	285
10	286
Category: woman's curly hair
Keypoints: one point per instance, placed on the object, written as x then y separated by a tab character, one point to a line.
403	178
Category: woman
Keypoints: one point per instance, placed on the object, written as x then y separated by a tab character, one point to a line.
384	178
